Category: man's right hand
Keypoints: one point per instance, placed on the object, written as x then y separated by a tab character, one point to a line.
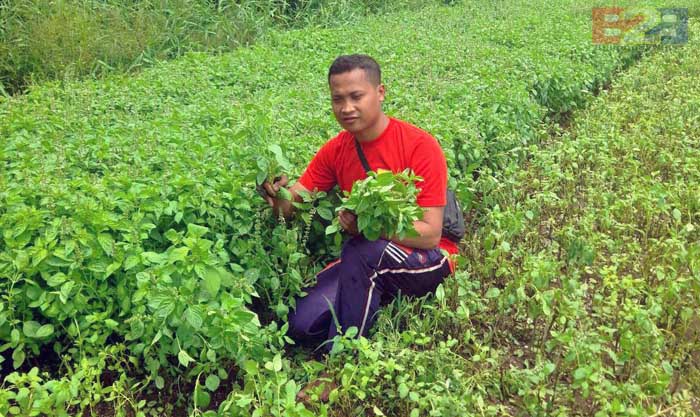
280	200
271	189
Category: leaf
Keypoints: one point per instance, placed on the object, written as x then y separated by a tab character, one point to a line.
362	223
261	177
136	329
184	358
403	390
275	149
284	194
106	243
39	256
279	156
277	363
384	178
274	283
35	330
251	367
505	246
163	305
493	292
172	235
211	282
201	397
178	254
196	231
440	293
291	389
131	261
157	337
351	332
18	357
29	328
549	368
244	400
160	382
372	234
677	214
325	213
154	258
56	279
667	367
114	266
66	289
282	310
212	382
331	228
193	316
44	331
546	310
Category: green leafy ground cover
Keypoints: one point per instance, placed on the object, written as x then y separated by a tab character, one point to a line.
136	256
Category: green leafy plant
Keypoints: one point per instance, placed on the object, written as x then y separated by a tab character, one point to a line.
384	203
271	167
128	222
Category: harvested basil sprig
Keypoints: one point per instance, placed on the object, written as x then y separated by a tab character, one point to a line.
385	204
271	166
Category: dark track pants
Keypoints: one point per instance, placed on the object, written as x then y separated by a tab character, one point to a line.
368	273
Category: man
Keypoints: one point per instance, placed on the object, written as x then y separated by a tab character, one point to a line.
369	272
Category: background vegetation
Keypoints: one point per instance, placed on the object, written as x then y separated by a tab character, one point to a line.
140	273
581	286
66	39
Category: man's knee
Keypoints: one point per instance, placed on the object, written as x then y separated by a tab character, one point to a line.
308	326
300	329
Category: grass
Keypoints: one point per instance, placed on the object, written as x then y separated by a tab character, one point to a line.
73	39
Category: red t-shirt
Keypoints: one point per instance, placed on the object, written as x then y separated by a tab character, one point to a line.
400	146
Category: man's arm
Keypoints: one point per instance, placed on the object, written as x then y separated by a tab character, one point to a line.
429	228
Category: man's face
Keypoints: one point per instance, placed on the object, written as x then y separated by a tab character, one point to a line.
356	102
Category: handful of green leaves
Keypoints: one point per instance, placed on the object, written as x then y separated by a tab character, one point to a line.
384	203
271	165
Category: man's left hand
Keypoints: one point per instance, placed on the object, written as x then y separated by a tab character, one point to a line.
348	221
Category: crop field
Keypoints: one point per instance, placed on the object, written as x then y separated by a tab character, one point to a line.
142	275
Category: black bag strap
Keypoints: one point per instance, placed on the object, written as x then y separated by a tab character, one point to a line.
361	154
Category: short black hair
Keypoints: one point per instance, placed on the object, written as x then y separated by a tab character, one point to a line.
347	63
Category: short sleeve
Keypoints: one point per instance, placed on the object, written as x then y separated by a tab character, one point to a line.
428	161
320	175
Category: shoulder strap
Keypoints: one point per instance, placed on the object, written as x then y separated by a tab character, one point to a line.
361	154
